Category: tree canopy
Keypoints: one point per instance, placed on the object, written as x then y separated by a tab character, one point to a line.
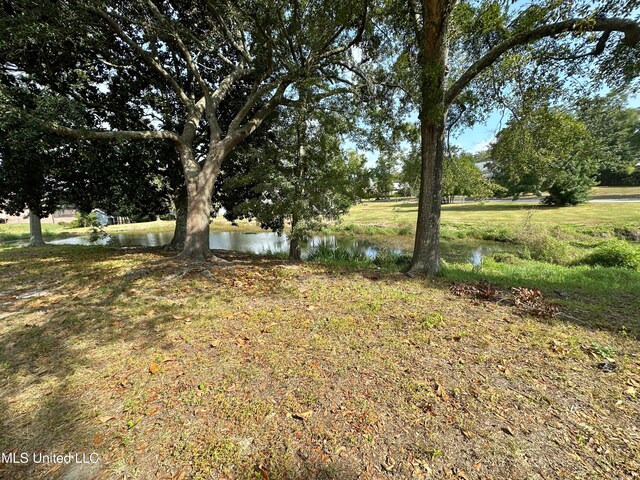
216	69
547	150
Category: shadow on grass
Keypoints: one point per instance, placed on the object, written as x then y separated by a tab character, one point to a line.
48	334
309	470
495	207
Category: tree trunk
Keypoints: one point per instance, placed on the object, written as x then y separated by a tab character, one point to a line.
199	187
298	174
196	242
180	231
426	251
295	252
35	230
432	57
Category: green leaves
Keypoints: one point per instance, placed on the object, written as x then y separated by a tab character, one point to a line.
546	150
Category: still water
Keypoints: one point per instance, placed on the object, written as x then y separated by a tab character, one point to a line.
260	243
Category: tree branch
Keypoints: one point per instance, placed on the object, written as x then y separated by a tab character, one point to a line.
229	35
143	54
111	135
184	51
630	28
238	135
354	41
416	21
316	98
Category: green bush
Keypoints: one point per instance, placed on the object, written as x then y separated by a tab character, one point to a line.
540	245
84	220
499	233
546	248
327	253
615	253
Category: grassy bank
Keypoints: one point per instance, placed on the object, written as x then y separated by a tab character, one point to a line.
50	231
498	221
268	369
20	231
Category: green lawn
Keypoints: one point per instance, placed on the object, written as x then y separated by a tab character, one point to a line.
613	192
397	213
17	231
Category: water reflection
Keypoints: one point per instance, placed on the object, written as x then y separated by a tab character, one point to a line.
260	243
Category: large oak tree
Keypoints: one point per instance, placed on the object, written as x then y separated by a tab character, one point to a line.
182	65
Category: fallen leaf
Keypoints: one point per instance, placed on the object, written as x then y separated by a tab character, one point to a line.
508	430
154	368
180	475
152	410
303	415
105	418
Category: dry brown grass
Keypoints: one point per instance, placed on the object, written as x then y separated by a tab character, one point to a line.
271	370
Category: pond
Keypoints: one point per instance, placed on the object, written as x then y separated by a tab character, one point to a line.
270	242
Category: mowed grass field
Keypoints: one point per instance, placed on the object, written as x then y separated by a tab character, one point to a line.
514	213
268	369
605	192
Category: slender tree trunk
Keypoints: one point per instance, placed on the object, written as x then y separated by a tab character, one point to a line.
35	230
180	231
299	171
295	252
433	55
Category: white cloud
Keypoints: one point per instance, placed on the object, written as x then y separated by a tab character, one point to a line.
479	147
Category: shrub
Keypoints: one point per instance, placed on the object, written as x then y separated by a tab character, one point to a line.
499	233
539	245
547	249
85	220
615	253
327	253
504	257
628	233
